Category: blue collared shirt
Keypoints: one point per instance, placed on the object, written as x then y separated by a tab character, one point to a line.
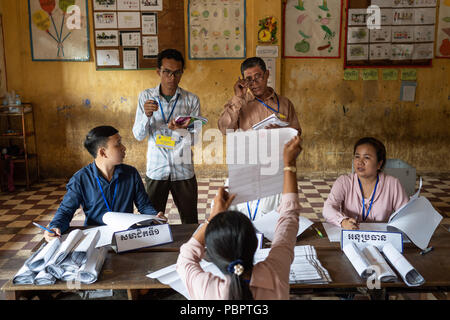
83	189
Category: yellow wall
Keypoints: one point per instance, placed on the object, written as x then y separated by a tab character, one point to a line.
415	132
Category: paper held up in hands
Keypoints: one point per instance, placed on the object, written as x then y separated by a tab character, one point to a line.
255	162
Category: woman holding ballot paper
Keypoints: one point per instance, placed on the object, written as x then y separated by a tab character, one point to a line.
367	195
231	243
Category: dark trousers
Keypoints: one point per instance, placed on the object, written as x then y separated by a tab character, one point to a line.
184	194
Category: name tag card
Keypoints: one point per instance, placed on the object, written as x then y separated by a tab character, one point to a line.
376	238
165	142
142	237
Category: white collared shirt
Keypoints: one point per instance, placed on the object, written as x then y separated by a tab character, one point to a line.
164	164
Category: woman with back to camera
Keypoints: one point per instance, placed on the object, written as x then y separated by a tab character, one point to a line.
231	243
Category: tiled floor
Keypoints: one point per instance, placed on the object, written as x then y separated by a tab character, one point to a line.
17	210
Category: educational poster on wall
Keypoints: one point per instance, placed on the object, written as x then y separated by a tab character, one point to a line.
312	28
130	33
59	30
3	85
405	36
443	30
216	29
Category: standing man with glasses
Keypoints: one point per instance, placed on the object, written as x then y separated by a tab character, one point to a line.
254	101
155	117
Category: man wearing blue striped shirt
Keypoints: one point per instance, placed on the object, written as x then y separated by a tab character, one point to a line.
169	157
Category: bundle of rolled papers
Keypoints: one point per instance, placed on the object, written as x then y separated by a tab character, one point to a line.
74	259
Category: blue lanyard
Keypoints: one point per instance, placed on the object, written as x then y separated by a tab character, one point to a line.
104	198
265	105
162	112
250	212
371	200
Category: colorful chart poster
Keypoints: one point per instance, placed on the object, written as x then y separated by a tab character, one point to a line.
216	29
313	29
59	30
443	30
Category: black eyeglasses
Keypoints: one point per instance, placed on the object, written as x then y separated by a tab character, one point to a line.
169	73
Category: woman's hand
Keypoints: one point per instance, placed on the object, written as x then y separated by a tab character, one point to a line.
349	224
291	151
222	202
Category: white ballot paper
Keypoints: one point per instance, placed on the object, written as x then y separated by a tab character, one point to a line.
90	271
255	162
39	262
119	221
368	261
44	278
25	275
267	223
409	274
84	248
170	276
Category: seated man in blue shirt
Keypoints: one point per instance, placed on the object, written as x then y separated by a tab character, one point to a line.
102	186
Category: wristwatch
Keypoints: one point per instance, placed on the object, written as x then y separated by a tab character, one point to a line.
292	169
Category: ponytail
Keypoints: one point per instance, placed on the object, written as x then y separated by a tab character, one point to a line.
231	243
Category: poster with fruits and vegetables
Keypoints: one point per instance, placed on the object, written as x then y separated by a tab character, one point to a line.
59	30
312	28
443	30
216	29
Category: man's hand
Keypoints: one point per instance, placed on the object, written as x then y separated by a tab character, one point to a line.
272	126
240	88
222	202
349	224
150	106
50	236
162	216
174	126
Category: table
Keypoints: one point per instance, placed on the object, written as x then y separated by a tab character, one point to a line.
127	271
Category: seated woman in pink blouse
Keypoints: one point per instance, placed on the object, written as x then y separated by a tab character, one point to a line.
231	244
368	195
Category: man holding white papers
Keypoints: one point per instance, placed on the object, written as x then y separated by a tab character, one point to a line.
254	101
102	186
368	195
169	157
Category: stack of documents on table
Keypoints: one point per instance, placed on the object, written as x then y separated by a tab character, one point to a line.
416	220
268	222
74	259
306	267
270	120
170	276
370	261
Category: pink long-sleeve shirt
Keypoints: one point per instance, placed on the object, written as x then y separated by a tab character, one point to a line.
270	278
345	200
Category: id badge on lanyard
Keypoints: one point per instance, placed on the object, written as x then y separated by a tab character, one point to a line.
165	140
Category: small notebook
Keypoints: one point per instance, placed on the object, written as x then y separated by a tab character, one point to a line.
270	120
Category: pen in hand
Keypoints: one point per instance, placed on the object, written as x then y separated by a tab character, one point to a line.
46	229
